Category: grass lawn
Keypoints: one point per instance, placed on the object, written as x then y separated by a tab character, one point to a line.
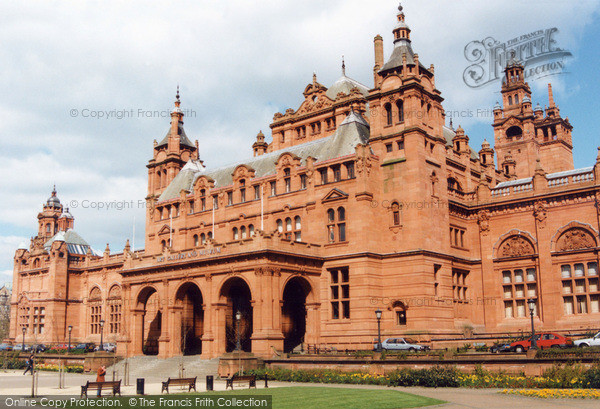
342	398
299	397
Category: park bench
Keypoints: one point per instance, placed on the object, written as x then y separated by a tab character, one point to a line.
115	386
189	382
251	379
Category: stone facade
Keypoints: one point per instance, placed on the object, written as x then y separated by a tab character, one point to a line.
363	200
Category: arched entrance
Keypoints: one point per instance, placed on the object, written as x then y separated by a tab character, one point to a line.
189	298
293	312
237	295
151	320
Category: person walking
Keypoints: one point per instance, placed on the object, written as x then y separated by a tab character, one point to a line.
29	366
100	377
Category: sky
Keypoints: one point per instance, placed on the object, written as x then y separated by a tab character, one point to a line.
85	87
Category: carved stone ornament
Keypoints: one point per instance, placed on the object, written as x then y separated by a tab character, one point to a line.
540	212
575	239
483	220
516	246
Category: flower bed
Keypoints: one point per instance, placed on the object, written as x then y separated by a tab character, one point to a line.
570	377
56	368
555	393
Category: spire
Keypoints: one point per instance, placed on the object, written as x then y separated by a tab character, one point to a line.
314	78
343	66
177	100
550	97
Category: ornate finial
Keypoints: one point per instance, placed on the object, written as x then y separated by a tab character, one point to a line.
54	190
343	66
400	8
314	77
177	95
451	126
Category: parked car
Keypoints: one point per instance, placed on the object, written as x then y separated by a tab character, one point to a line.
108	347
543	340
400	344
495	349
86	346
588	342
19	347
39	348
6	347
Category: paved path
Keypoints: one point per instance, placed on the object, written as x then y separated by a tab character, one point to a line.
13	383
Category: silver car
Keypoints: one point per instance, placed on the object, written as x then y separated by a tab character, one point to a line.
400	344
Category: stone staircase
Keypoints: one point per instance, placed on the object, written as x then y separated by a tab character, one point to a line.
153	369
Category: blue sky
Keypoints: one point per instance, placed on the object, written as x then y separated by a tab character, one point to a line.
237	63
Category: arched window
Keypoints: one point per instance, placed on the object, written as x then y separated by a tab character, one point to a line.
400	106
48	228
251	230
236	235
114	309
243	232
516	98
195	240
395	214
163	245
210	235
454	185
95	303
287	180
279	226
388	113
288	224
514	132
336	226
509	100
297	228
203	238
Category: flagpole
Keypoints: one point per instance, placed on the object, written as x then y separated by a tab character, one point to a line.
262	211
213	217
133	235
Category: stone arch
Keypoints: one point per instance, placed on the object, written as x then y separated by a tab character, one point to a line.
515	243
236	294
95	294
574	236
148	301
296	292
400	310
189	325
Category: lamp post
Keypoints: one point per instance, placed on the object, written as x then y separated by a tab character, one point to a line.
378	315
23	345
101	336
70	328
238	343
531	303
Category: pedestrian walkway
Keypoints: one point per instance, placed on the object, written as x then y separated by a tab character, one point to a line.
14	383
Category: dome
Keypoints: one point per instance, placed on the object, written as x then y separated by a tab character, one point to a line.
497	106
526	99
538	108
345	85
53	199
66	214
485	144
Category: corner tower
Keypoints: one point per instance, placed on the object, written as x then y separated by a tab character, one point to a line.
523	134
170	154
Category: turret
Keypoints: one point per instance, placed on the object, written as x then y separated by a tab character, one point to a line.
260	146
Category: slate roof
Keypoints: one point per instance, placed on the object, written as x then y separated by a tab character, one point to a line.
184	140
354	130
75	243
345	84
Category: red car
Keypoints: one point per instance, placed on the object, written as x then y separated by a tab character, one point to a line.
543	341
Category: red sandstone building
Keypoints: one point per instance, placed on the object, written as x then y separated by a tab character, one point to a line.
364	199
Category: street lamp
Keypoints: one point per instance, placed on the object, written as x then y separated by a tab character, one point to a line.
70	327
101	336
238	318
531	303
24	329
378	315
